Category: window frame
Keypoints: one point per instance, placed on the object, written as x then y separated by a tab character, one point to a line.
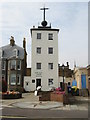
19	64
37	67
38	36
3	65
12	83
11	68
33	81
49	50
50	66
38	48
50	81
18	83
50	36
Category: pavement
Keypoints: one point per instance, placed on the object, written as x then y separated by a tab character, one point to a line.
30	101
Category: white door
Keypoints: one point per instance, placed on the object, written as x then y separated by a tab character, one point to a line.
27	87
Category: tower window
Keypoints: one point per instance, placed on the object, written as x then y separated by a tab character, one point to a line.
38	65
50	50
39	50
50	65
50	82
50	36
38	35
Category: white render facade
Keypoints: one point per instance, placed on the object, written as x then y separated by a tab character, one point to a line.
44	59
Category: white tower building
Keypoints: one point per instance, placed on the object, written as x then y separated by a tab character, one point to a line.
44	59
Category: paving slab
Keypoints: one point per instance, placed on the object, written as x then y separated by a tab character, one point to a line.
38	105
29	100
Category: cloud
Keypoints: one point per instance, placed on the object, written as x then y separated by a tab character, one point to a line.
74	39
71	18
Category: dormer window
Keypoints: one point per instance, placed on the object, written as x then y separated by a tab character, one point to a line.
16	52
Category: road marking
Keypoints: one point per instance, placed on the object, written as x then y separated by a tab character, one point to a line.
12	117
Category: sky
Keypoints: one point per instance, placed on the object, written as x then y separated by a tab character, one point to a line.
17	18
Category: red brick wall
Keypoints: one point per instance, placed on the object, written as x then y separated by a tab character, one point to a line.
56	97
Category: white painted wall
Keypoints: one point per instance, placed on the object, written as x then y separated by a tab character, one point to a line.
27	79
44	58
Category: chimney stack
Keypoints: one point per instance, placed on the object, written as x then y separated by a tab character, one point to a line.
67	64
12	42
24	43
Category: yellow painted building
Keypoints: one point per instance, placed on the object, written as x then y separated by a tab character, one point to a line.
81	76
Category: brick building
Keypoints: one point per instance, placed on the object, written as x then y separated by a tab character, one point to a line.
13	61
65	72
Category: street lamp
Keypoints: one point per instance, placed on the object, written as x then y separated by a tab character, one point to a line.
63	75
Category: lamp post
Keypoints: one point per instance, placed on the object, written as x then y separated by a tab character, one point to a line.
63	75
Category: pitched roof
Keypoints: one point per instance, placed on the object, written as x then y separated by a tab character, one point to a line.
9	51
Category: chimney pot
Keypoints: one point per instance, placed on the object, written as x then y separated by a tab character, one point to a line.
12	42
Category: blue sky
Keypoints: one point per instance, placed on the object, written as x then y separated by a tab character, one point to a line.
70	17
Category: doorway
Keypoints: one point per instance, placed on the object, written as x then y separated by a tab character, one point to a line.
38	82
83	81
61	84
